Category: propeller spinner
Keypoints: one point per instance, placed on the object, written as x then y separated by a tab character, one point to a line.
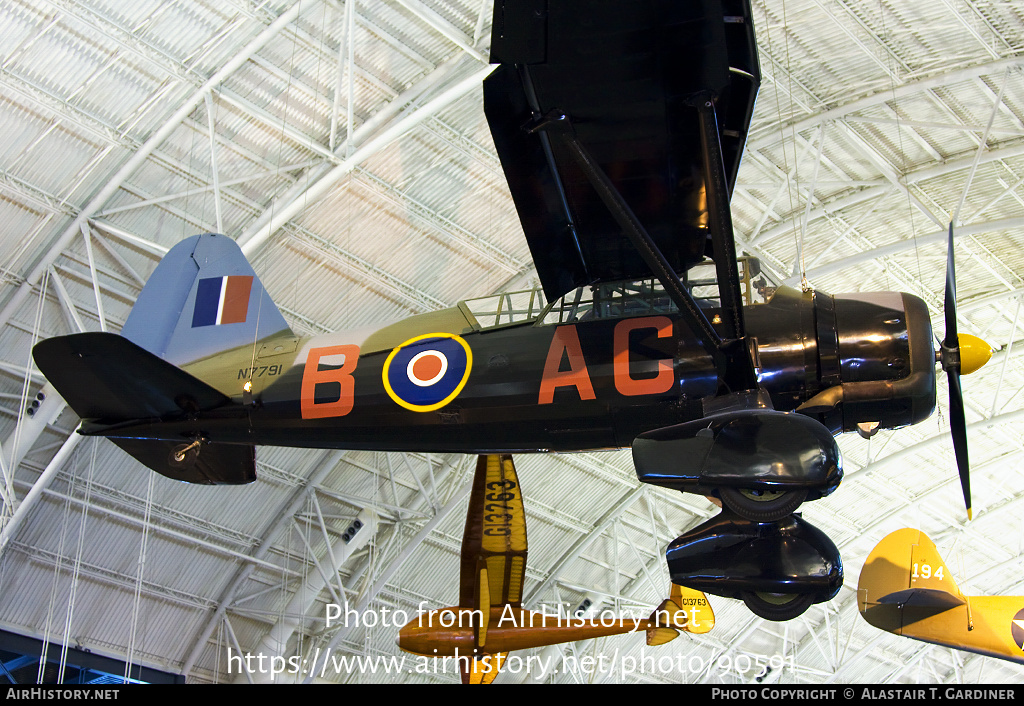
959	354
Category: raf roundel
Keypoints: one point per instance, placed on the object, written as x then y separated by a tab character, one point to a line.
427	372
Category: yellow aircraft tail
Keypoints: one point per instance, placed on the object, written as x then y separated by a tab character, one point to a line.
685	610
905	569
906	588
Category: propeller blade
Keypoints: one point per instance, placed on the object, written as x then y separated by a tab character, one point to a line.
958	430
951	346
949	306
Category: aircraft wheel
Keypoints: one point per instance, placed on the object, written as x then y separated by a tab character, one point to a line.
762	505
777	606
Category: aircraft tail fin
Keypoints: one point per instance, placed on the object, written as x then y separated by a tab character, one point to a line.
203	298
109	381
905	588
700	615
906	560
686	609
905	571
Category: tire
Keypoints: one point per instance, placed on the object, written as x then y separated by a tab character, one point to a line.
762	505
777	606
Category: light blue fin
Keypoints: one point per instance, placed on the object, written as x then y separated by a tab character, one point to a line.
203	298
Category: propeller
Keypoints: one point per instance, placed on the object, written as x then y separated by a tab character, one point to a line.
959	354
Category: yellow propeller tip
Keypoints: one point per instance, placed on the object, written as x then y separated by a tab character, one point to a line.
974	353
970	515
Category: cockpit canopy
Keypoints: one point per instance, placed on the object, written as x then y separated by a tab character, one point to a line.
614	300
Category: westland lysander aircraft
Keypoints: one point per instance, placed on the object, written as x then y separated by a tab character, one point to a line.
620	128
905	588
490	620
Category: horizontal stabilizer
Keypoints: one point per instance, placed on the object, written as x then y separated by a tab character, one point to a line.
665	626
687	609
659	636
103	376
931	599
107	379
206	464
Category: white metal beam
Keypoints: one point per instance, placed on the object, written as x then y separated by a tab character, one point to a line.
141	155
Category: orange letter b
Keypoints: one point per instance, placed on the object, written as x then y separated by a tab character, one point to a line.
312	376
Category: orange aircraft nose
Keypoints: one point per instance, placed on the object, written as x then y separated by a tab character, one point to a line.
438	633
410	637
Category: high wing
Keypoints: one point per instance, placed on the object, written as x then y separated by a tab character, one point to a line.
658	93
493	552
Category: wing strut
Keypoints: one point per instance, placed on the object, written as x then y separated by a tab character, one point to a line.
732	357
720	216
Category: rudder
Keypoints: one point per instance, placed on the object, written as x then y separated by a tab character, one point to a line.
686	609
905	559
701	617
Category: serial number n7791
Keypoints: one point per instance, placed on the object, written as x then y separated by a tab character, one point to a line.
259	371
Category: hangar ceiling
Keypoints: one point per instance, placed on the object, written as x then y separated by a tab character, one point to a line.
343	145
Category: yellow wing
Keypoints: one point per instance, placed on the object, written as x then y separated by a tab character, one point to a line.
494	542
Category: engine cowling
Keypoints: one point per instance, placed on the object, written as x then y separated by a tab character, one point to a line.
848	360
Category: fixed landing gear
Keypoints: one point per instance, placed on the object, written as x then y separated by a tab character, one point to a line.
761	465
777	606
762	505
778	568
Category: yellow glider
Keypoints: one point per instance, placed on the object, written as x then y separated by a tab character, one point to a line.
490	620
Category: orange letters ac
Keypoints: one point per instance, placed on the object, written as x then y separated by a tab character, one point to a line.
567	341
624	383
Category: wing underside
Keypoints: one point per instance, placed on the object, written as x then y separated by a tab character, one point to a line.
630	80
